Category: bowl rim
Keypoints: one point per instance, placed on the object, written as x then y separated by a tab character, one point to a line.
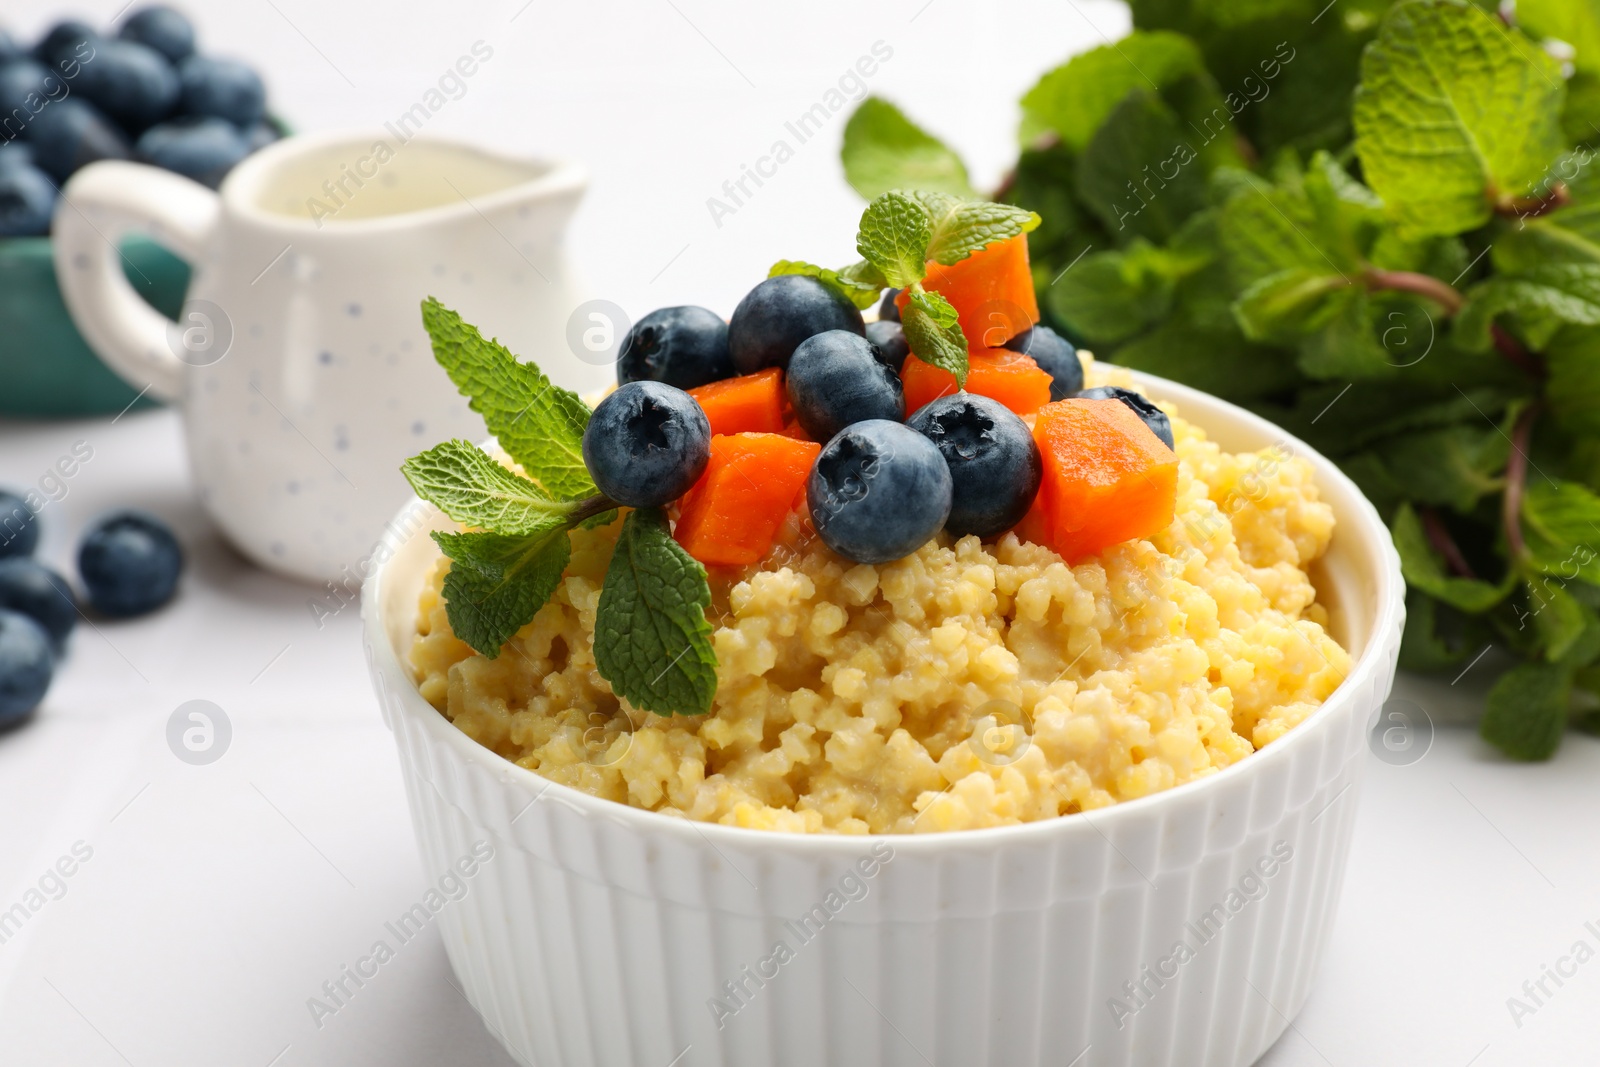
1387	601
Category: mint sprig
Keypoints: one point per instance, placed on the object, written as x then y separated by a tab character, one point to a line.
652	640
900	232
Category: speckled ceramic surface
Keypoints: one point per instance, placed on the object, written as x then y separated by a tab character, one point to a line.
300	361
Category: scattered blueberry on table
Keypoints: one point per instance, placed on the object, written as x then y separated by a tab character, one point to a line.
19	530
878	491
680	346
26	666
1153	416
995	467
779	313
835	379
41	594
80	96
129	562
646	444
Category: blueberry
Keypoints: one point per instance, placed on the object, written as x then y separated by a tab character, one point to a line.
835	379
21	80
39	593
66	41
260	135
646	444
26	665
198	148
775	316
995	467
70	134
888	310
1153	416
1055	356
681	346
129	562
222	88
889	344
19	530
130	83
10	50
14	154
27	200
878	491
161	28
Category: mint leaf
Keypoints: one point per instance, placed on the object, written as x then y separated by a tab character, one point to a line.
1422	570
497	583
1559	620
860	283
1541	295
1573	389
651	638
1451	466
959	228
1561	524
884	150
1453	115
934	334
538	424
1077	98
1283	306
1527	711
893	237
1311	222
469	486
1577	23
1437	636
1216	359
1363	339
1110	296
1138	174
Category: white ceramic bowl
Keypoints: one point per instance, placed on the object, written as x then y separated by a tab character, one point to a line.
602	934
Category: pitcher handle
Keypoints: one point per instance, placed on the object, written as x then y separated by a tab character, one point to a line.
103	203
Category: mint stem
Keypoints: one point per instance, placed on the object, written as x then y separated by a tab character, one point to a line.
1408	281
1449	298
1439	537
589	507
1512	349
1531	207
1516	479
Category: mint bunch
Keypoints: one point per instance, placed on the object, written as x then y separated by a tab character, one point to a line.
899	233
652	640
1377	224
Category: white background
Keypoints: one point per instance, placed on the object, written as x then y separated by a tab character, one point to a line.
219	898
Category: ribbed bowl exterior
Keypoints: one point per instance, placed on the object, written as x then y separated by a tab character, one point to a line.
1181	929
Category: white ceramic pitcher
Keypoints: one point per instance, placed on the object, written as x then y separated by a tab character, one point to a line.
300	365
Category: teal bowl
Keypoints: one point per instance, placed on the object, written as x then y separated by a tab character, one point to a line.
47	370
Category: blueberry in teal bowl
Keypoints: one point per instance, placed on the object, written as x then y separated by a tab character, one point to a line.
75	97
